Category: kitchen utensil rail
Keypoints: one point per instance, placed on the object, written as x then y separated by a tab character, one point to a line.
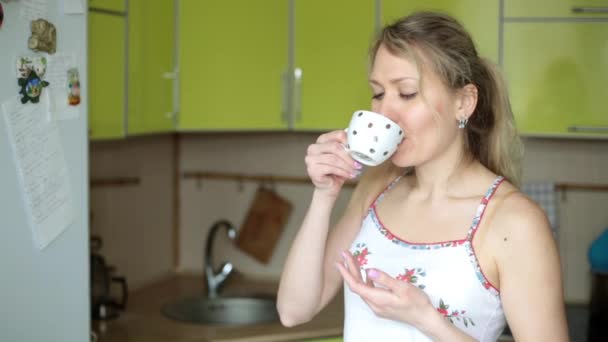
267	178
114	182
240	177
580	187
564	188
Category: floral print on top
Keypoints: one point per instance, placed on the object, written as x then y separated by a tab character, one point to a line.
455	314
447	271
412	275
361	254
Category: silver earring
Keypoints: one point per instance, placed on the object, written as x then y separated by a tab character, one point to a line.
462	122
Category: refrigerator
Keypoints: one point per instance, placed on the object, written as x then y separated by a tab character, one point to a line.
44	256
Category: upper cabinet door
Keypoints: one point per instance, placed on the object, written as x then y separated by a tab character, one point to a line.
233	56
480	18
106	53
558	74
151	63
556	8
110	5
332	40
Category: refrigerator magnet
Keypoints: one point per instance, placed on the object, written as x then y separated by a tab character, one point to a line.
31	88
73	87
29	73
25	64
44	36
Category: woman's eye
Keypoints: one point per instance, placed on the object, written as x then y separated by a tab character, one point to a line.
408	96
377	96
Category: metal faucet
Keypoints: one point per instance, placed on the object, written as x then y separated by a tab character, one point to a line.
216	280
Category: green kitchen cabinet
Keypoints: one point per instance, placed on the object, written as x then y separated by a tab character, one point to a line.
331	61
557	74
556	8
297	64
233	64
151	66
480	18
131	64
108	5
107	76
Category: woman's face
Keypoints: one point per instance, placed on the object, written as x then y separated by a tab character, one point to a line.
429	123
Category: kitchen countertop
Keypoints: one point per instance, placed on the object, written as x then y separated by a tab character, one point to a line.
143	320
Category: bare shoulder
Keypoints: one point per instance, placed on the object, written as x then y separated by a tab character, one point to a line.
519	218
521	237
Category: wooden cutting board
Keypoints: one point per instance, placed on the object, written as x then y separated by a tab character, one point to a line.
263	224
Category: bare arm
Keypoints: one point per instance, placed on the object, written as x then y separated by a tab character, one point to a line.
530	275
306	285
309	279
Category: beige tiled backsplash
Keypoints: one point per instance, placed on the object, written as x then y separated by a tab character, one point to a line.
136	222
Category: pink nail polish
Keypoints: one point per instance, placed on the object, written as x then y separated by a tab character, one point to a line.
358	165
372	273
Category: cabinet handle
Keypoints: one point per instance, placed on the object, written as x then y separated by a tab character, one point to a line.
588	129
174	77
170	75
589	9
297	75
284	94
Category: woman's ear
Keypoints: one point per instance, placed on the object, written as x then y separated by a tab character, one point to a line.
466	102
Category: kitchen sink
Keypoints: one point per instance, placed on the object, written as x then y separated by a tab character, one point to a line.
223	310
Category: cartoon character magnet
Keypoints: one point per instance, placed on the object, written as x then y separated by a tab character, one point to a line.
31	88
29	72
73	87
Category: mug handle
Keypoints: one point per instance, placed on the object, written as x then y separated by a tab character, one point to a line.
123	282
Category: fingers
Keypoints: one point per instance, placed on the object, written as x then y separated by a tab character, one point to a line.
352	265
320	164
373	296
338	135
327	158
384	280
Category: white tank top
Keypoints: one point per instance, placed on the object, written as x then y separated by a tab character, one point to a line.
448	272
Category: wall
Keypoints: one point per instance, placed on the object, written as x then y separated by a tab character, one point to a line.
207	201
582	215
134	221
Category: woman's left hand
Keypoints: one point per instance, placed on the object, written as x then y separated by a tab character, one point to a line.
386	296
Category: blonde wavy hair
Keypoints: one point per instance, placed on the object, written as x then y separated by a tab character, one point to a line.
490	134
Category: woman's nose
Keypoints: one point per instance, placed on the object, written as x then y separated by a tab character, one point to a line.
387	108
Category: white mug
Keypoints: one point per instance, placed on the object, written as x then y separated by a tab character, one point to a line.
372	138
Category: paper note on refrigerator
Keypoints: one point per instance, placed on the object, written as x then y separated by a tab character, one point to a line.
41	168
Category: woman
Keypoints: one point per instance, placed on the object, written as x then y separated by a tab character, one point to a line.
437	244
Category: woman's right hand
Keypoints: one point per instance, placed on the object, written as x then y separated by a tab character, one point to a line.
328	163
